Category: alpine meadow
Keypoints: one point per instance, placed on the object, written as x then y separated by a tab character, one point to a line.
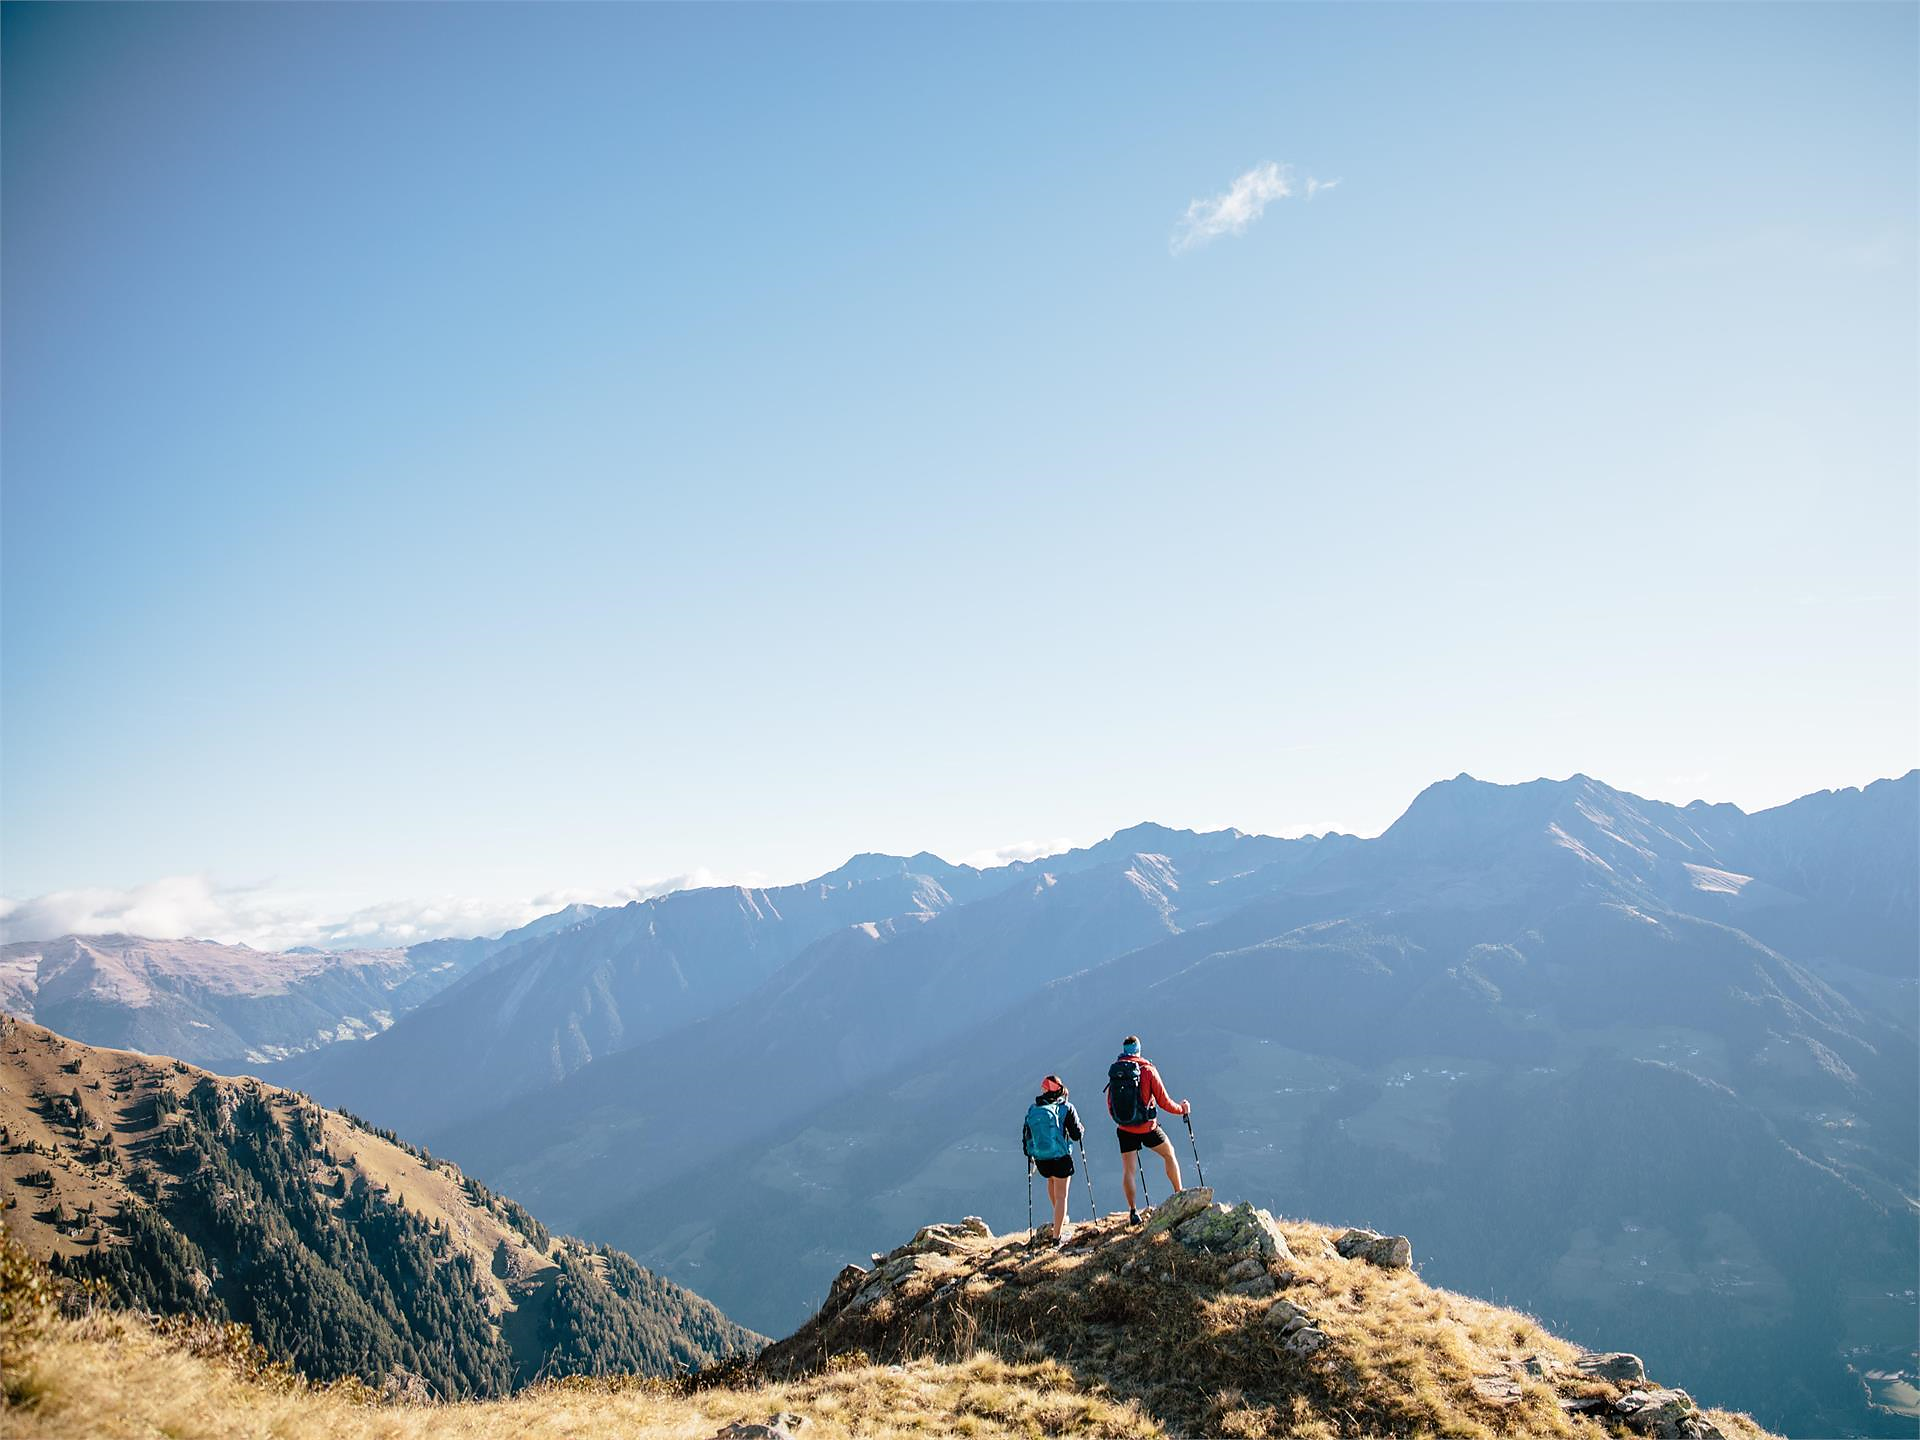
794	722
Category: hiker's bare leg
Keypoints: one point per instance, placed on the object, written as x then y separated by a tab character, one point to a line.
1057	1192
1171	1161
1126	1178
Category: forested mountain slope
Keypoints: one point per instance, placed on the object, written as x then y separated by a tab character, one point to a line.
345	1252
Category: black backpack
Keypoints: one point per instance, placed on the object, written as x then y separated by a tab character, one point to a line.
1123	1094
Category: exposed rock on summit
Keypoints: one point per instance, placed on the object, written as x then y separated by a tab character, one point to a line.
1220	1320
1389	1252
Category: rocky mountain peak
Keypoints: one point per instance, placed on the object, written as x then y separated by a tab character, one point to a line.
1221	1320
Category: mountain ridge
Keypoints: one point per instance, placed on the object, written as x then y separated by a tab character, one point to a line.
1369	1027
1218	1320
347	1252
1207	1321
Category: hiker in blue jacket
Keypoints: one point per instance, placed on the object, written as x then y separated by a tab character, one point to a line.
1052	1127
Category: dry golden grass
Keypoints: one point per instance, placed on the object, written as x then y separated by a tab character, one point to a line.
1125	1335
1141	1318
113	1378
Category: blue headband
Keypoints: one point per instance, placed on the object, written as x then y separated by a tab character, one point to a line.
1132	1047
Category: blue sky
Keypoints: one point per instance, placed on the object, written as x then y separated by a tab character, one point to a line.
459	456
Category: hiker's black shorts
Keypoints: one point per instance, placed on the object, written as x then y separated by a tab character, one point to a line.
1130	1142
1060	1168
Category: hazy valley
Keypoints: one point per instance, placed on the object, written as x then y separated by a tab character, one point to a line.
1647	1072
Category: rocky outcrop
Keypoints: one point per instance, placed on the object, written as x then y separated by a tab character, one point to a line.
1181	1205
1250	1276
783	1426
1665	1414
1276	1316
1240	1231
1389	1252
1301	1336
948	1239
1617	1366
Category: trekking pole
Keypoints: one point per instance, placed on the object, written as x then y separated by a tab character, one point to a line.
1029	1197
1146	1197
1199	1169
1086	1172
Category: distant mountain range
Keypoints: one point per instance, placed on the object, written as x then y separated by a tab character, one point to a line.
345	1251
618	980
1642	1069
230	1007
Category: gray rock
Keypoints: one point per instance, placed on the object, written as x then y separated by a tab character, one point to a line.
942	1239
1616	1365
897	1267
1585	1405
1389	1252
1665	1415
1307	1340
849	1278
1259	1286
1180	1206
1246	1269
1496	1389
743	1430
1241	1231
1283	1313
881	1282
876	1291
974	1225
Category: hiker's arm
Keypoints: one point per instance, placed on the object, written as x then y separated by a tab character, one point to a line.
1163	1099
1072	1127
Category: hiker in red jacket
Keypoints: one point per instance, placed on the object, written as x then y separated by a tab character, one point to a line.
1133	1092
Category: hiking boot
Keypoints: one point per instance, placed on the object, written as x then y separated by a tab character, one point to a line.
1133	1217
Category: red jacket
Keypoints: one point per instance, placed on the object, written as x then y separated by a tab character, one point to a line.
1152	1092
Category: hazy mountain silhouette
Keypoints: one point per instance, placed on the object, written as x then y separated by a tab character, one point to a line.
1647	1070
1525	1019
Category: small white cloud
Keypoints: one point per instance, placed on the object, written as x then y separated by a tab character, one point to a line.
183	905
1239	205
178	905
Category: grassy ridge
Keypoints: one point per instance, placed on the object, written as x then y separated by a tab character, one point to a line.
112	1376
345	1251
1127	1338
1136	1316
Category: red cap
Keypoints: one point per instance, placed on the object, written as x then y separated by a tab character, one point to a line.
1052	1082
